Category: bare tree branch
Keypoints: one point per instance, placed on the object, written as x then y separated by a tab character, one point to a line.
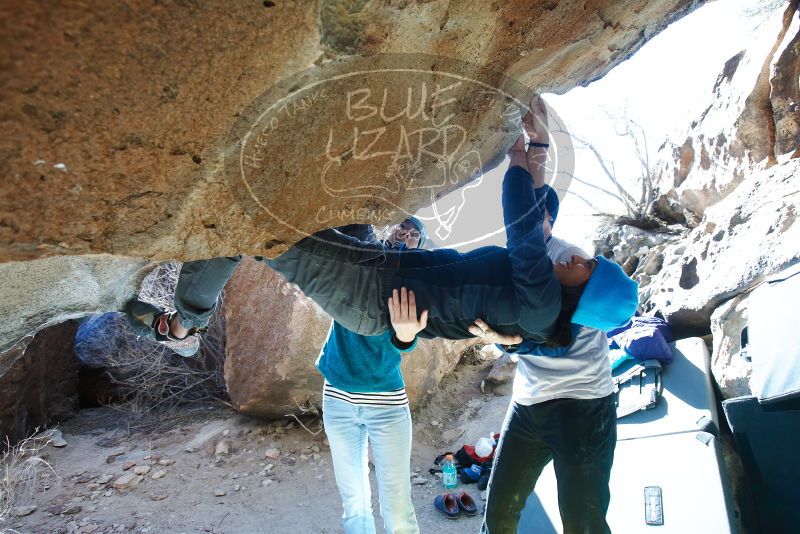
628	201
586	201
624	126
597	187
24	471
154	382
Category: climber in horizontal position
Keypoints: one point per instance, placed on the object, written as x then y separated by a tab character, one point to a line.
516	290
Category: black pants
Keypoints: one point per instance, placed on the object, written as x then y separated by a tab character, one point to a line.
579	435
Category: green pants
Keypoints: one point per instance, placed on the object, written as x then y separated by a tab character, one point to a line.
201	282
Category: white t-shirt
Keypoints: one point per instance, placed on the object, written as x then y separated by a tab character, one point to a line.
584	372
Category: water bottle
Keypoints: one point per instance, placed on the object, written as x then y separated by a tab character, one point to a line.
449	475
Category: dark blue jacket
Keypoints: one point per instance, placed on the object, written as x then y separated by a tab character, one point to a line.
513	289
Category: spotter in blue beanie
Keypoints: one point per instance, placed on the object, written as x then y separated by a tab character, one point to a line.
609	299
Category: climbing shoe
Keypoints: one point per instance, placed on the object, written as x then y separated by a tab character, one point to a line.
151	322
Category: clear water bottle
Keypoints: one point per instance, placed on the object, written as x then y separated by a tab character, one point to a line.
449	475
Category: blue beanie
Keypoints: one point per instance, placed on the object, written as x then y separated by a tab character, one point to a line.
421	227
609	299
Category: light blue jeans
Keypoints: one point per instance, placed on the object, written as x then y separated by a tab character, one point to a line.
349	429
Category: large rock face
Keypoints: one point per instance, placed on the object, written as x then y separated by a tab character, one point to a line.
743	238
751	123
51	290
123	123
274	335
731	371
425	367
732	189
38	382
738	189
785	94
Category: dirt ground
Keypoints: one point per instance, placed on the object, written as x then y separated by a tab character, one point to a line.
208	471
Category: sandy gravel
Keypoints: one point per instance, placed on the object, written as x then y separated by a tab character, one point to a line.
221	486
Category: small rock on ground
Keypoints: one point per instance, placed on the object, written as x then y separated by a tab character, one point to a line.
127	481
141	469
64	509
223	448
22	511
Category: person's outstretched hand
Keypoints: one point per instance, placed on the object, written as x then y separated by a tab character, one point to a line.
482	330
403	314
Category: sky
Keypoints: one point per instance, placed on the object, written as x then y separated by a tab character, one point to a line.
663	87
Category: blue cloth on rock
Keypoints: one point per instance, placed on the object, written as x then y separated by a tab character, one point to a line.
644	338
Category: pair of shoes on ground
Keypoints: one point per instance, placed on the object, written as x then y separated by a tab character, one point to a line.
151	322
452	504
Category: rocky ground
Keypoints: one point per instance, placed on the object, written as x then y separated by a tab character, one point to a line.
213	470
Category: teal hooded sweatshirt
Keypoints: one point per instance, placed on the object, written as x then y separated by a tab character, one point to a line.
362	364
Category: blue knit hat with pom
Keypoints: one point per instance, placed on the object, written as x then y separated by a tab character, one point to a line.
609	299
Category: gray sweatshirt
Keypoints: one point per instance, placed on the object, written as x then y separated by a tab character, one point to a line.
580	371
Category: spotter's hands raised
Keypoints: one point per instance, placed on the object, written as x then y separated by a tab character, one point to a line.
403	314
482	330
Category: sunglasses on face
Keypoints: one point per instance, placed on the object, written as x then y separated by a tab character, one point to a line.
410	229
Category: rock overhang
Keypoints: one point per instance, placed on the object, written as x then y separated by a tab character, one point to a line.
118	120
